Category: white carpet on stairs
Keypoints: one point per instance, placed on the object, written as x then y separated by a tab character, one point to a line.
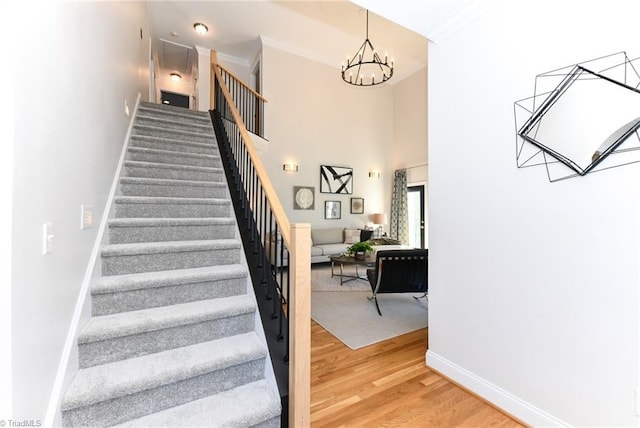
353	319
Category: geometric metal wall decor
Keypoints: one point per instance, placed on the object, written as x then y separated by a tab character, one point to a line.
582	118
336	179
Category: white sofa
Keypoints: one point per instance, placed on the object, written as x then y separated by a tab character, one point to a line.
324	243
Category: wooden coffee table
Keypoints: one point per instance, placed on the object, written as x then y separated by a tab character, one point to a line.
342	260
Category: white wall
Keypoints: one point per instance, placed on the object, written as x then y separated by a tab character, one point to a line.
313	118
410	121
78	63
533	285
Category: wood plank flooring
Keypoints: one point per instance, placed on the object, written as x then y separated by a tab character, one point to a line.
388	385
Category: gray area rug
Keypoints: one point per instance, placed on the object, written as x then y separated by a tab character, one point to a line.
354	320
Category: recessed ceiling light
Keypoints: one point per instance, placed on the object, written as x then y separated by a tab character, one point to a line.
200	28
175	77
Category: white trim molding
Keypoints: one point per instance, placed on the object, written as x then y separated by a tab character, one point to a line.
332	62
497	396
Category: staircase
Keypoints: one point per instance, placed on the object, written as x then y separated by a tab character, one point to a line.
172	338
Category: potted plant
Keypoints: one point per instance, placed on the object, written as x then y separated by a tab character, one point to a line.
359	249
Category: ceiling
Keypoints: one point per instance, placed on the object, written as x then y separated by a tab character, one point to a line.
325	31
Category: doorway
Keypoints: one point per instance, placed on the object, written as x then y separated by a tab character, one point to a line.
416	210
174	99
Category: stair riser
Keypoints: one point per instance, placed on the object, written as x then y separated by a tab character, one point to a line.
174	159
172	134
110	350
105	304
125	210
174	174
177	191
120	265
177	124
135	405
175	146
132	234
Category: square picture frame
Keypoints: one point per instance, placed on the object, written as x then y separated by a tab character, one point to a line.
304	197
332	210
336	179
357	205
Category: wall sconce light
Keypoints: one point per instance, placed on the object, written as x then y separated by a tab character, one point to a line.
290	167
374	174
200	28
175	77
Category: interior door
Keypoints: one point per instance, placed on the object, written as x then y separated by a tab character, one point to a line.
415	199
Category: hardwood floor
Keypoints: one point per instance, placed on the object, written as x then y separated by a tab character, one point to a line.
388	385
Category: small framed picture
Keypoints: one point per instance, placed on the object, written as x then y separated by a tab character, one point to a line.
332	210
357	205
303	197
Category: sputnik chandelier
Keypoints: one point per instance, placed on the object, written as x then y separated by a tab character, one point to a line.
366	68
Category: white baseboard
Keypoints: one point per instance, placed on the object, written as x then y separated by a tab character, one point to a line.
497	396
70	343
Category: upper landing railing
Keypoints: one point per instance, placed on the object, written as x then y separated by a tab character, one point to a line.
278	253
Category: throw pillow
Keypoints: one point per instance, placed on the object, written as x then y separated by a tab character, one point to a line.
365	235
351	236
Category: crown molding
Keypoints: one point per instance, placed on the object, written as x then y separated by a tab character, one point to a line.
232	59
267	41
203	51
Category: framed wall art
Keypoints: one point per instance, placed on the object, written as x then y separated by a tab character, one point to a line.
336	179
332	210
303	197
357	205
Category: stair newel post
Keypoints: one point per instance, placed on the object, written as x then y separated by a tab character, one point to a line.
299	311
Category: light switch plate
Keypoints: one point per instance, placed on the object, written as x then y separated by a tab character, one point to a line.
47	238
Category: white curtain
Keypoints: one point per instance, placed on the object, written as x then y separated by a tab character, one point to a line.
399	224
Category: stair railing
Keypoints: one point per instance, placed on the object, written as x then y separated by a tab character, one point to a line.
278	252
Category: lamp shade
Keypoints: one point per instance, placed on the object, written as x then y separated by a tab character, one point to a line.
379	218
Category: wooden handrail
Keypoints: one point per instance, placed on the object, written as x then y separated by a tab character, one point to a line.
261	172
244	85
297	238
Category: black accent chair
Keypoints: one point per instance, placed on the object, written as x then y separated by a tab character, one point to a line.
399	271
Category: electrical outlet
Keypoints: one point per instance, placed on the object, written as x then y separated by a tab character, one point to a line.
86	216
47	238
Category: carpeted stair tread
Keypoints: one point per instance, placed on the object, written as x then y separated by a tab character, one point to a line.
115	250
148	280
120	378
150	129
176	145
144	320
243	406
170	182
169	200
172	153
148	107
172	171
144	164
172	120
170	221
